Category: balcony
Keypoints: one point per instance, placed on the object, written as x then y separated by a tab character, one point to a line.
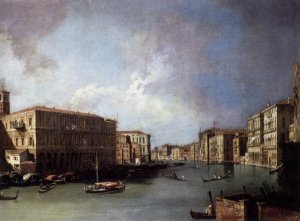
18	125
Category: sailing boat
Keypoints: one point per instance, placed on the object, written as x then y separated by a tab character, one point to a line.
104	187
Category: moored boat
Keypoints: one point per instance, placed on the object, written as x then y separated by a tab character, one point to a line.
45	188
9	197
200	215
105	187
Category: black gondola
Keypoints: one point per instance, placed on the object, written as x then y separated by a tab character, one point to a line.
174	177
199	215
46	188
216	178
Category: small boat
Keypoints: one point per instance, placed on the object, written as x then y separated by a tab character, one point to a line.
200	215
5	180
105	187
215	178
276	169
31	179
178	164
174	177
9	197
46	187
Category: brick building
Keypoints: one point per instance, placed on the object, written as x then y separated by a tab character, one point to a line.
140	146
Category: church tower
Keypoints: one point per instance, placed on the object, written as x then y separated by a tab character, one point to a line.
4	102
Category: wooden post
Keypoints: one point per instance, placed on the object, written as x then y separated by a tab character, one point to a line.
97	168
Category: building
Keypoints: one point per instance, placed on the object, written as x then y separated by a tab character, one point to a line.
16	157
221	144
175	153
277	119
58	139
204	144
185	152
194	152
155	154
239	146
123	150
140	145
166	152
255	139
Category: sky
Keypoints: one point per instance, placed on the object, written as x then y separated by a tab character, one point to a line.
169	68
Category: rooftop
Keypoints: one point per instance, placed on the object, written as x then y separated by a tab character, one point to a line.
14	151
55	110
131	132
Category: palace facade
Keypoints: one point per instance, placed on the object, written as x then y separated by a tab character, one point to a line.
58	139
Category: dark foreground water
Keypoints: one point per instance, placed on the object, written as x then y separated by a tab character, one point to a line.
152	199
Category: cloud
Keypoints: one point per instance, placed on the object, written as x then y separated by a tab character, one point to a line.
25	22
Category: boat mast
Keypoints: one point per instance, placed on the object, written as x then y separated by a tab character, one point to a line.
194	154
97	168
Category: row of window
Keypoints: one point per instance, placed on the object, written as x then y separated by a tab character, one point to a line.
22	141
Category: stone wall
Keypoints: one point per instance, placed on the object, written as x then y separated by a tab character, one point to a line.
235	208
268	213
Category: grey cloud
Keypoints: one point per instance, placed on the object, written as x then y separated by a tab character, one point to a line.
26	22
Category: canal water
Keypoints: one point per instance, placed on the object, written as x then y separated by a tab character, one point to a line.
151	199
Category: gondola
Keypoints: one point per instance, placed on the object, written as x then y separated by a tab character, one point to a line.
216	178
9	197
174	177
105	187
199	215
46	188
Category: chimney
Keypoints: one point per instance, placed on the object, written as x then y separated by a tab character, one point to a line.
4	102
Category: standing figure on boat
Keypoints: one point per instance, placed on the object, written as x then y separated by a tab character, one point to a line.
209	210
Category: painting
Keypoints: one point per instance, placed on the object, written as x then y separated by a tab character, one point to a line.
148	100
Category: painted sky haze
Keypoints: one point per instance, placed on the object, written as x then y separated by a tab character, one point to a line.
165	67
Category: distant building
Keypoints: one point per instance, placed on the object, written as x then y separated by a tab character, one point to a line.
194	151
185	152
123	150
140	145
155	154
221	144
277	119
204	149
255	139
175	153
166	151
57	139
239	146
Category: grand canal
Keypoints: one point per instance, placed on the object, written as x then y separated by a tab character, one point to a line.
151	199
